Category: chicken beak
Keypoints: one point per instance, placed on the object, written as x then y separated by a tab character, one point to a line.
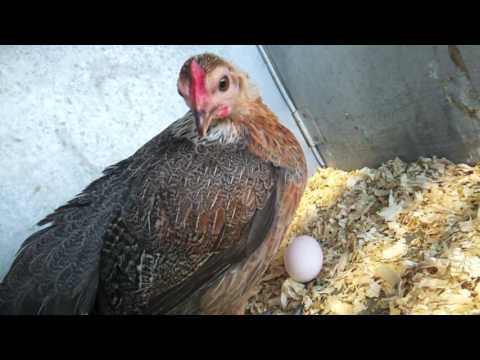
201	123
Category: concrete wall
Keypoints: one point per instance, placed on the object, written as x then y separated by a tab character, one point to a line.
67	112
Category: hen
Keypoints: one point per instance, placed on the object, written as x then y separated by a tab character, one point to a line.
186	225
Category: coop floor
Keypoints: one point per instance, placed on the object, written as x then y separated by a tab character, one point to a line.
400	239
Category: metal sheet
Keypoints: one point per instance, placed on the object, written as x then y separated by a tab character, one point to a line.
364	105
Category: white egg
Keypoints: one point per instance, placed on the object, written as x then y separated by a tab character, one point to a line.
303	259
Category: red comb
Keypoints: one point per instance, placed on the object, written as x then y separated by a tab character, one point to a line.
198	93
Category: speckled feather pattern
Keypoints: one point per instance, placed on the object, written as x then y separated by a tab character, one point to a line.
193	205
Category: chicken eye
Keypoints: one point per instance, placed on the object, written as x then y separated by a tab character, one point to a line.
223	84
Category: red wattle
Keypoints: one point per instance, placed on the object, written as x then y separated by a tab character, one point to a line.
223	111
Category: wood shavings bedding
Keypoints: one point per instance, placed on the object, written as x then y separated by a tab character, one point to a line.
400	239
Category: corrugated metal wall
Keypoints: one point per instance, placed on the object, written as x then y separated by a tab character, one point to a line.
364	105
